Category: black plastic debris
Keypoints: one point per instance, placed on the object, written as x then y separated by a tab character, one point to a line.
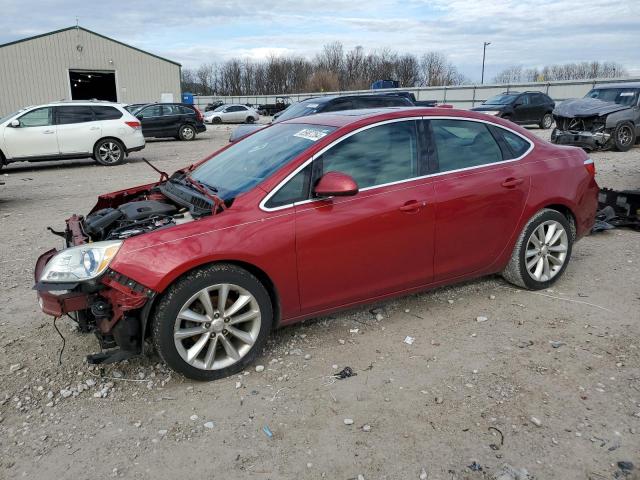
625	466
346	372
617	209
475	467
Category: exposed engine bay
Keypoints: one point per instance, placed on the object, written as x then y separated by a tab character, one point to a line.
173	202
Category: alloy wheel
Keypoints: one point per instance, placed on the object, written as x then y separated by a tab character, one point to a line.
187	133
110	152
546	251
547	120
625	135
217	326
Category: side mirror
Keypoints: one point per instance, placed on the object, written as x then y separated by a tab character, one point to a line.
335	184
15	123
517	104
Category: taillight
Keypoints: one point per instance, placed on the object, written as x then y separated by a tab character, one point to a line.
590	166
134	125
198	113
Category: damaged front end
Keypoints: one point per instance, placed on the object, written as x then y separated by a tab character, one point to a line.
77	280
585	123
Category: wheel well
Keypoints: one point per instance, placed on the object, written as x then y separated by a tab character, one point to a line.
255	271
566	211
2	158
108	138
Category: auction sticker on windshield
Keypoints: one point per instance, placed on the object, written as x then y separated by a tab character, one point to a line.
313	134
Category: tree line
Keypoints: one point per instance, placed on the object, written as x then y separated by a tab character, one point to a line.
335	69
332	69
566	71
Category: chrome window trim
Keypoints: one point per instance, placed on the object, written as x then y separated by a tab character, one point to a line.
264	208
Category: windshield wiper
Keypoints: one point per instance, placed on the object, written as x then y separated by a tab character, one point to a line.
207	191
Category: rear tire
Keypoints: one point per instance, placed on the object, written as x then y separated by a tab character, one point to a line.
187	132
546	121
231	337
108	152
624	136
250	119
542	251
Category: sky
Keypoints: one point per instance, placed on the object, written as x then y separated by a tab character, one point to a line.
522	32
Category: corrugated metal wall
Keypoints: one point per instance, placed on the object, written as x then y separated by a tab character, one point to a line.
37	70
465	96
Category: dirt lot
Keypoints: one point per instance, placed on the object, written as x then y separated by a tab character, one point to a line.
438	404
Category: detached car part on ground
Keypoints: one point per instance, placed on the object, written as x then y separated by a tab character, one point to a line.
311	216
607	117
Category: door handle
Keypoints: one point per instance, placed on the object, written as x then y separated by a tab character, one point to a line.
512	182
48	132
412	206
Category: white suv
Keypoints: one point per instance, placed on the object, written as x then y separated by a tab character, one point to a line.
103	131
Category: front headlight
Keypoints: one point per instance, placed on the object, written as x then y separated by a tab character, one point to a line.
77	264
491	112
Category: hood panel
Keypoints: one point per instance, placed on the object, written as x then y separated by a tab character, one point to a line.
586	107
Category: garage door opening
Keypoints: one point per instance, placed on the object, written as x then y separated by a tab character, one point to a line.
87	85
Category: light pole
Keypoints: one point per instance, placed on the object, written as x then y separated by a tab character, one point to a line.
484	53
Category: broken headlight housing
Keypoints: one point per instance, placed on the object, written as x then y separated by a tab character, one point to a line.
81	263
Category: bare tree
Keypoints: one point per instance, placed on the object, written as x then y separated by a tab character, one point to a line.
565	71
436	70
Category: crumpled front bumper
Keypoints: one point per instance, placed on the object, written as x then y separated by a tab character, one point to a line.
584	139
122	294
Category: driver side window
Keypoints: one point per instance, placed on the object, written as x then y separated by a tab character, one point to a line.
40	117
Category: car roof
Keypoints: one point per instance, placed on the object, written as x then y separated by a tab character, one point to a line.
371	115
617	85
328	98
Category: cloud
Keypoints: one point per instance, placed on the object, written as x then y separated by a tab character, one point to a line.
525	32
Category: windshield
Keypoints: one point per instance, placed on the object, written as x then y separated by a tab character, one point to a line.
501	99
298	110
220	108
248	162
621	96
7	117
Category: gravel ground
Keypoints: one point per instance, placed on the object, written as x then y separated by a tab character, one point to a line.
550	382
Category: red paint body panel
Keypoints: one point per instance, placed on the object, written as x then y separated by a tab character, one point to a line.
325	255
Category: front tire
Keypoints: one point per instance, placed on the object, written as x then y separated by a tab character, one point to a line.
216	120
187	132
624	136
546	121
109	152
542	251
250	119
213	322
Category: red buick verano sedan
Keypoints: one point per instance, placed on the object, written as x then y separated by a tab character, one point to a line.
310	216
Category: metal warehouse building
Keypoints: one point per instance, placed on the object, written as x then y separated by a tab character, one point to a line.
77	64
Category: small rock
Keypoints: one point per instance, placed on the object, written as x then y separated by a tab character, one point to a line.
379	317
307	356
295	351
15	367
481	319
556	343
423	475
90	382
409	340
360	476
259	368
66	393
309	465
439	400
366	428
137	424
628	466
348	421
536	421
341	341
162	432
208	425
238	385
450	302
193	417
492	297
117	374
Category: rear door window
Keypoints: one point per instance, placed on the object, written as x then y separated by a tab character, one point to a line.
40	117
516	145
463	144
106	113
74	114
